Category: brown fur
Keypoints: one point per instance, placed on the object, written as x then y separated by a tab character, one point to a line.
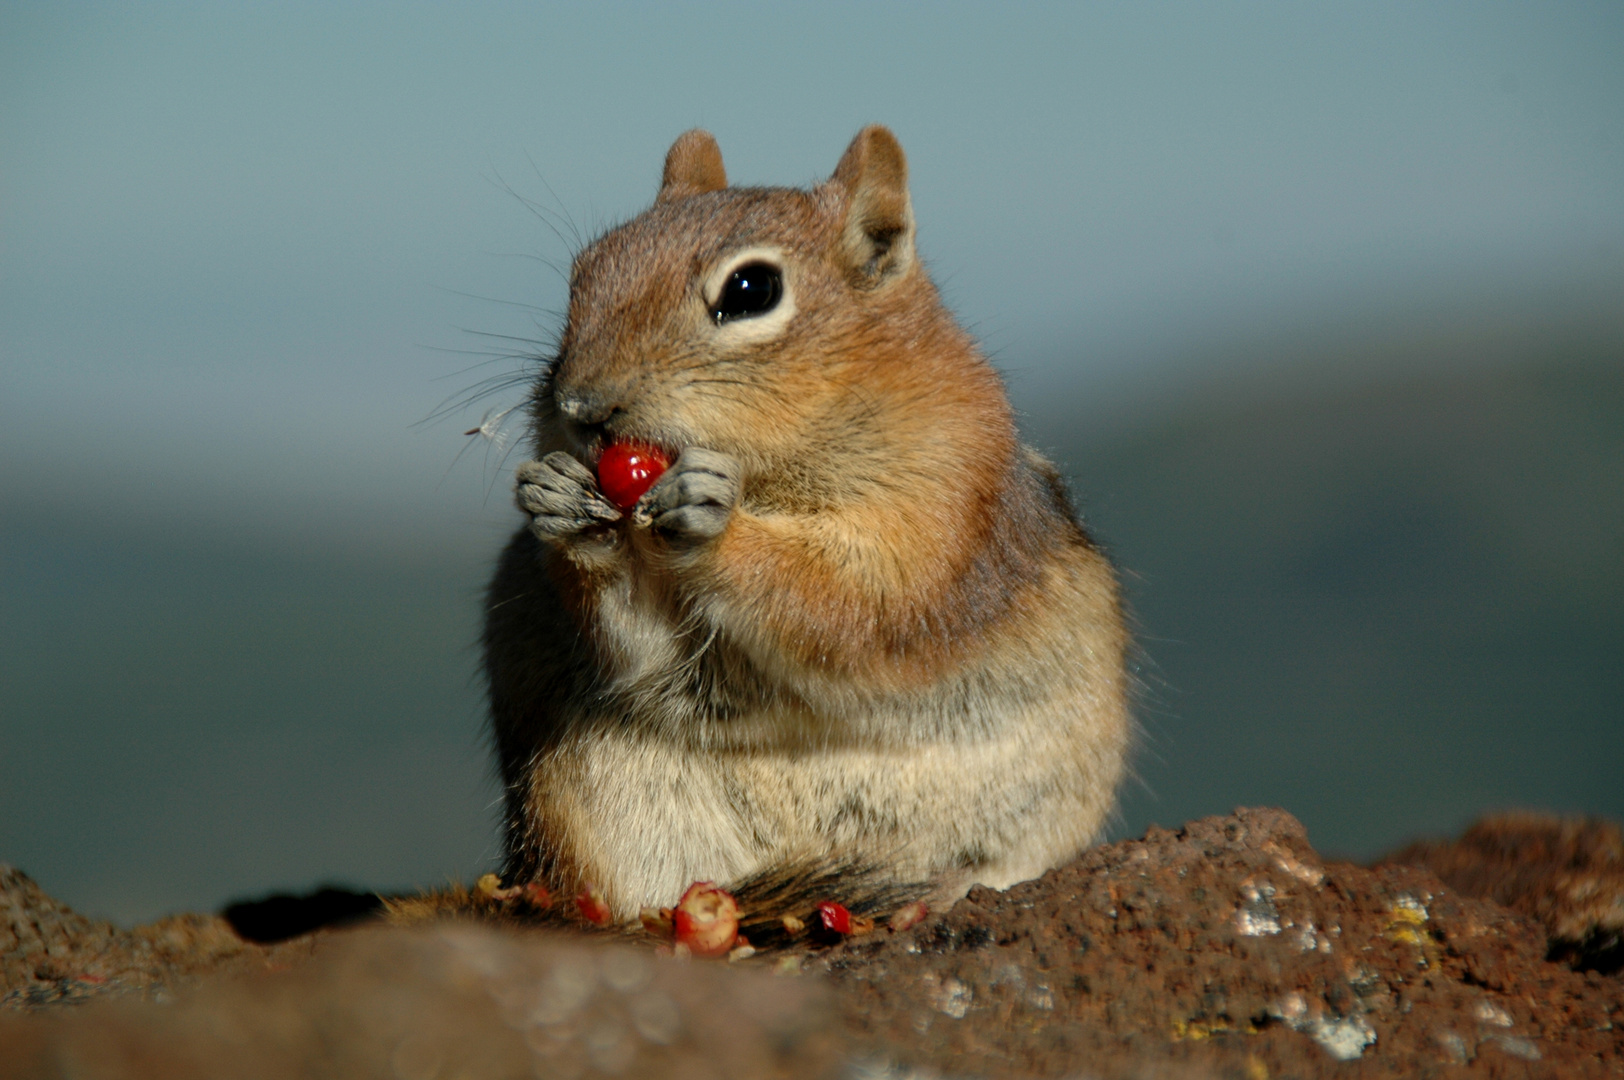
898	646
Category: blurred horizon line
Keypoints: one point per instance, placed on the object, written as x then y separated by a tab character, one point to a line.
409	520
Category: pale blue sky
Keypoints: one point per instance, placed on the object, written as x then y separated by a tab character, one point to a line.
232	237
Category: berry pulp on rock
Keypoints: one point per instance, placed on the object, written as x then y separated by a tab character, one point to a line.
834	916
706	920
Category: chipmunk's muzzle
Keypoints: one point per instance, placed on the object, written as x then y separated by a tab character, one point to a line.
583	408
586	419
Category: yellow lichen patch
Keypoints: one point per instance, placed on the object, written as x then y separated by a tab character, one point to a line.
1408	909
1196	1030
1406	917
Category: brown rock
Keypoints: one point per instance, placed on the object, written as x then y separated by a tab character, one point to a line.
1229	946
1565	873
456	1000
1224	949
50	954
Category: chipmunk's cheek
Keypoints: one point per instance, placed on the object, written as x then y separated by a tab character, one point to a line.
628	469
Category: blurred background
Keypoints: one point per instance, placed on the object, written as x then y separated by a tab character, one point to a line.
1320	306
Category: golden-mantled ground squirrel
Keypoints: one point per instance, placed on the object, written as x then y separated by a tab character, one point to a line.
856	621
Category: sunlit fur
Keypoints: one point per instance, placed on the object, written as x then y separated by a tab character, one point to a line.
902	647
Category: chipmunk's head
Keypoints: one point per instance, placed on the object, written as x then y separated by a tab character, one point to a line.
755	321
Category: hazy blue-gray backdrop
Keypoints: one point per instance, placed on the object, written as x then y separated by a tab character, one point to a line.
1320	305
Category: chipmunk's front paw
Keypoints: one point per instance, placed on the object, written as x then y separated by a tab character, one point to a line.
694	499
562	498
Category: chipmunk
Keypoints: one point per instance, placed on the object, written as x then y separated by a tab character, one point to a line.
856	622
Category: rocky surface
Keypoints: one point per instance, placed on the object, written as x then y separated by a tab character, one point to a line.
52	955
1226	949
457	1000
1567	874
1228	945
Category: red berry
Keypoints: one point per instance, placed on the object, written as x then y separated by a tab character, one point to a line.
627	469
835	918
706	920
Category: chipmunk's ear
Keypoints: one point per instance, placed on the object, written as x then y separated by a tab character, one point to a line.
878	235
693	166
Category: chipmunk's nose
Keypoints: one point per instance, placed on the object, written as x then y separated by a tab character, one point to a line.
583	407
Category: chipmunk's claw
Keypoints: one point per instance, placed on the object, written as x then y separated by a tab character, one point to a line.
561	496
695	498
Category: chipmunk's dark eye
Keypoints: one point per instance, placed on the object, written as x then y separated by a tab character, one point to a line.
752	289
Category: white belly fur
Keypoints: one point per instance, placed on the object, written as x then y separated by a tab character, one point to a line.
651	816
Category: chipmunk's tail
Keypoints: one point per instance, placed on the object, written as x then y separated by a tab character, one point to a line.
773	902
